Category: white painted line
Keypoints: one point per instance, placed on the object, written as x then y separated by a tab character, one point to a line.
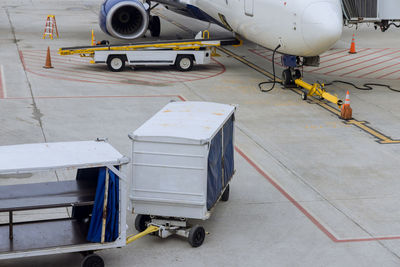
3	81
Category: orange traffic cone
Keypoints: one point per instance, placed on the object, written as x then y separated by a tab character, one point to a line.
346	112
48	60
353	46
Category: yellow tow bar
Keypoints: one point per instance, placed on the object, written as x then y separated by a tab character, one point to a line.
149	230
318	90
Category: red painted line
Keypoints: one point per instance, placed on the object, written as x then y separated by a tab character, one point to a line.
303	210
342	56
160	75
179	77
223	69
386	67
98	76
361	62
1	87
337	52
393	72
351	59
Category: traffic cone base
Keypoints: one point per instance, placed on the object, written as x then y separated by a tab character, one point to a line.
346	113
48	60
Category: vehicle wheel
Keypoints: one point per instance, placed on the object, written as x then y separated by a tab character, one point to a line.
140	222
297	74
286	78
92	260
304	95
196	236
116	63
225	195
155	26
184	62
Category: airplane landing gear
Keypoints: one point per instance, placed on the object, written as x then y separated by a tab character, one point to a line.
289	76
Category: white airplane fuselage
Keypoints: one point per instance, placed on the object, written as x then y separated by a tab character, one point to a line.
301	27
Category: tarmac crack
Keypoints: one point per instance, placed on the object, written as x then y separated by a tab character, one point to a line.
36	113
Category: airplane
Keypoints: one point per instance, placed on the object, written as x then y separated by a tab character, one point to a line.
298	28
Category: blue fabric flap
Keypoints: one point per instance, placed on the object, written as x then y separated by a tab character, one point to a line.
96	222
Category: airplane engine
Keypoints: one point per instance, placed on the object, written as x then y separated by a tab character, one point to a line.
124	19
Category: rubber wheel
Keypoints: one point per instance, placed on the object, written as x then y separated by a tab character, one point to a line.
184	62
225	195
196	236
304	95
286	78
116	63
140	222
92	260
155	26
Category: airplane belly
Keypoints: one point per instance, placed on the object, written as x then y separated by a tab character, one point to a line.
302	28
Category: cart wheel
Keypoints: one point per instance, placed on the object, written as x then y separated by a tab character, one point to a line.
140	222
116	63
225	195
304	95
196	236
92	260
184	62
155	26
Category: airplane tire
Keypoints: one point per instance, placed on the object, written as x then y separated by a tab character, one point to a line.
286	78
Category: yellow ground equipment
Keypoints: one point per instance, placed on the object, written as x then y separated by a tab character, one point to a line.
181	53
317	89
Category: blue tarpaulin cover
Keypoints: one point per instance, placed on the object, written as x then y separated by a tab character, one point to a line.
228	163
96	222
214	177
220	147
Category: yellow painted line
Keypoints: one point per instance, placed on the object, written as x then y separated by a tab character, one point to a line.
248	63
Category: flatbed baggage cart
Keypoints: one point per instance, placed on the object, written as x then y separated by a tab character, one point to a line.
182	164
100	188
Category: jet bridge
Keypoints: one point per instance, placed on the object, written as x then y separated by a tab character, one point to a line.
383	13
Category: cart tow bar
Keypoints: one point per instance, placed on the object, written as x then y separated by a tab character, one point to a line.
317	89
149	230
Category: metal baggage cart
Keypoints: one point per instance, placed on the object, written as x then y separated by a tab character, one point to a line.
93	160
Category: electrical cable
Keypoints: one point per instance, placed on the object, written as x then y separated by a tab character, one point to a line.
273	72
366	86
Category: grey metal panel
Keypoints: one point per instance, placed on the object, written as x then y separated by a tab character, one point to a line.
360	8
39	235
389	9
46	195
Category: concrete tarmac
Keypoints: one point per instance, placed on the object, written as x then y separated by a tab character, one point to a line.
310	189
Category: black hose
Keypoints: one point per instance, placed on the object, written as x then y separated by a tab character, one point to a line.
273	72
366	86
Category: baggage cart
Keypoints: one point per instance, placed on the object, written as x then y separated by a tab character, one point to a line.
97	195
182	164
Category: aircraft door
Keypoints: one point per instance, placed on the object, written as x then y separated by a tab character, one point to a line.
248	7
